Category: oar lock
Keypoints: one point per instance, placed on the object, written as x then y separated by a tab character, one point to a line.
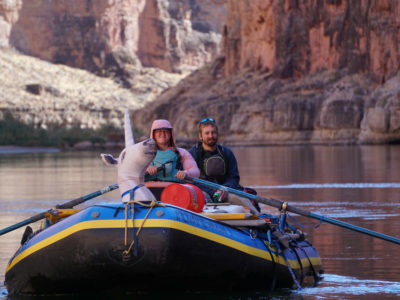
285	238
53	211
54	215
284	207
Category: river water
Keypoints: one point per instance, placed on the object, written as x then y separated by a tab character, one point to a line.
355	184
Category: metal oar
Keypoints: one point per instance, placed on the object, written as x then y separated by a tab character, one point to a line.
281	204
68	204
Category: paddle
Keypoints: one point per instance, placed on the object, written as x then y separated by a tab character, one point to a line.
68	204
280	204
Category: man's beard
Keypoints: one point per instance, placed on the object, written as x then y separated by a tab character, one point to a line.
210	142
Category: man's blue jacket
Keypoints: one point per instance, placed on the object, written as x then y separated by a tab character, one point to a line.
231	178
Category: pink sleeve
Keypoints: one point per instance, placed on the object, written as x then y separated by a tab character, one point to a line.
189	164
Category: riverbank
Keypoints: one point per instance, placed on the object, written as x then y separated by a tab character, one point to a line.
16	133
82	146
19	150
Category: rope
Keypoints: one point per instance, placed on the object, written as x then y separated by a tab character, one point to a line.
274	263
305	226
151	206
291	272
288	266
126	227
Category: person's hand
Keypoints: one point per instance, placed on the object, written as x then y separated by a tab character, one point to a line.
152	170
223	195
181	175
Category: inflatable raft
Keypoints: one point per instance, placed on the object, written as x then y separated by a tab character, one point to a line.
153	245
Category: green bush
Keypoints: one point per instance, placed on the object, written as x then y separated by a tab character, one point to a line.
14	132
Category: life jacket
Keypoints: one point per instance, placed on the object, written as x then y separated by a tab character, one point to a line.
213	165
169	162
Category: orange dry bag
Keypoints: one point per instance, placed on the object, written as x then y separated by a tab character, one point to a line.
184	195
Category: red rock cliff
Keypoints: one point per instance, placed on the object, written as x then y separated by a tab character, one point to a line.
100	34
296	71
295	38
8	16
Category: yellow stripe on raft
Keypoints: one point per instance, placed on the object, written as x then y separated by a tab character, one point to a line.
224	216
97	224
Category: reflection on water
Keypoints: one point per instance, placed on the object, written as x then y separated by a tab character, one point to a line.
352	288
51	176
355	184
319	164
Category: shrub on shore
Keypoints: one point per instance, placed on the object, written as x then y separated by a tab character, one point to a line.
14	132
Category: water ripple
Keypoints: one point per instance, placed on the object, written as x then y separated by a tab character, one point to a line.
337	286
386	185
3	292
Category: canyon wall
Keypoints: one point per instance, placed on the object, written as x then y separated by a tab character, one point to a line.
8	16
112	36
296	38
297	72
136	43
290	71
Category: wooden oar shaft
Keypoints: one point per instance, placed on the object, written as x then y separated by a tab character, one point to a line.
68	204
281	204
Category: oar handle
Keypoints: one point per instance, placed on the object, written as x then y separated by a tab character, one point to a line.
68	204
283	205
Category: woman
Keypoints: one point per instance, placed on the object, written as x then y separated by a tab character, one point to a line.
170	163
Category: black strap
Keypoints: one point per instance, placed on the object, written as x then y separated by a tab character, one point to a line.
200	157
316	277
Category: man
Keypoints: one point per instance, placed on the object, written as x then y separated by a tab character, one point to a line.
216	163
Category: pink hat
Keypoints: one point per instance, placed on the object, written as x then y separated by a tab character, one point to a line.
162	124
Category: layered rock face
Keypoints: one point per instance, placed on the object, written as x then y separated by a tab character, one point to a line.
77	33
100	35
8	16
136	42
291	71
297	72
296	38
178	34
